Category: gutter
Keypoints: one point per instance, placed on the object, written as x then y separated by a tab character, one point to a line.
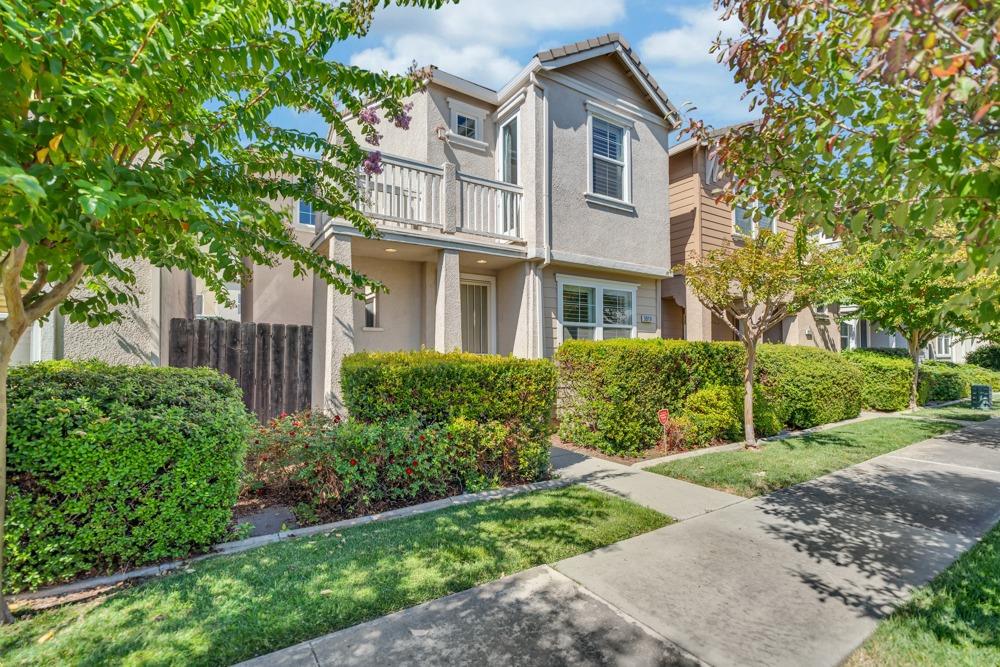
546	213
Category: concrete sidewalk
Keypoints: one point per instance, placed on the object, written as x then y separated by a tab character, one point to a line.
798	577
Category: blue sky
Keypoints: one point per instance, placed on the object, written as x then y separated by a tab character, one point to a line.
488	41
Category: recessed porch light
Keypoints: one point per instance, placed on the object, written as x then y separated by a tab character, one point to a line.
391	250
480	261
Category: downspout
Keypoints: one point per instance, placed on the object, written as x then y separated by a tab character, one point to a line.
546	216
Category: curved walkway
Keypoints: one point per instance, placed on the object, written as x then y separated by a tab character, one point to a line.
798	577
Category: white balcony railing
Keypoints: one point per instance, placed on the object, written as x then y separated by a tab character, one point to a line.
405	192
490	207
413	194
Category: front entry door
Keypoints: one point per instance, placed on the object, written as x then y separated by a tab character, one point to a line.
477	316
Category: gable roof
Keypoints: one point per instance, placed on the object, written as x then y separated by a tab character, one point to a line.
612	42
568	54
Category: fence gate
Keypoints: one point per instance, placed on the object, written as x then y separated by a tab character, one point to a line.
271	362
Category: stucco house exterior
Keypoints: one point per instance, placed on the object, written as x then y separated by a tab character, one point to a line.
510	219
699	224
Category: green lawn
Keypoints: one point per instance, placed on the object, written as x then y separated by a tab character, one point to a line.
230	608
786	462
962	411
955	620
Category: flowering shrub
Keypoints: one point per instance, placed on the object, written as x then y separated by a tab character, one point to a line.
332	468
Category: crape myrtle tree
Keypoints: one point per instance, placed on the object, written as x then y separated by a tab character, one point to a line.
753	286
138	132
902	293
878	119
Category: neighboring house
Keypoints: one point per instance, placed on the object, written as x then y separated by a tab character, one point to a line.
512	219
699	224
856	333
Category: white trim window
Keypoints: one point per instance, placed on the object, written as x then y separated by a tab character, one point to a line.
590	309
508	164
371	310
608	158
942	346
467	125
304	215
745	224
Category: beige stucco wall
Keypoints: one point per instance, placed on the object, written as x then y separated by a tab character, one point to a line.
400	310
278	296
595	231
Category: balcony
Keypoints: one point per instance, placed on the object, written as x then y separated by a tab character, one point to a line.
416	196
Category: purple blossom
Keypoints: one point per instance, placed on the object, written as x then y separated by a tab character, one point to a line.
403	118
372	163
373	138
369	116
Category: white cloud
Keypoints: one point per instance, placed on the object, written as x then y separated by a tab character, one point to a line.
468	39
679	58
688	43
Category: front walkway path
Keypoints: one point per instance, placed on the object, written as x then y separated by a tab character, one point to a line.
798	577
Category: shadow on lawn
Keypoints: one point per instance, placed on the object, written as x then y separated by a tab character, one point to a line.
232	608
894	524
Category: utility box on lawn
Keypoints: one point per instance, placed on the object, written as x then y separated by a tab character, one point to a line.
982	397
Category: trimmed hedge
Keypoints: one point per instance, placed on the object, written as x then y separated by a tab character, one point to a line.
439	388
716	414
116	466
940	382
613	389
886	379
333	468
987	356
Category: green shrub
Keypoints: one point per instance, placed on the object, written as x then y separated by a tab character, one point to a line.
335	468
809	386
886	379
612	390
940	382
972	374
987	356
716	414
437	388
114	466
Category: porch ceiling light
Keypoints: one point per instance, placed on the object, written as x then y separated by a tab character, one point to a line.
391	250
480	261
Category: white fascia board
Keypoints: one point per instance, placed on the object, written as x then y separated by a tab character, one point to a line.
460	85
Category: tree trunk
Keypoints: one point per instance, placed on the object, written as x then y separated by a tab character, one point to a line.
748	425
914	345
7	343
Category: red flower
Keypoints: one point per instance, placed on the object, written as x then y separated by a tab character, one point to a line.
296	423
282	415
414	463
336	419
409	471
422	438
354	462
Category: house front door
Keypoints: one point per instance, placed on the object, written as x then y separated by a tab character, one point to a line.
478	315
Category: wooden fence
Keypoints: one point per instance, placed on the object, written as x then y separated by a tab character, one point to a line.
271	362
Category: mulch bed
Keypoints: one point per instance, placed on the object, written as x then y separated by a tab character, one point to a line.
652	453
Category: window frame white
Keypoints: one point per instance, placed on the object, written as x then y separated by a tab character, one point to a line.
375	299
298	215
627	126
458	108
598	285
514	118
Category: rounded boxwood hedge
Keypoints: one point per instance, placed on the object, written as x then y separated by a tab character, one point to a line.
438	388
886	379
716	414
117	466
611	390
987	356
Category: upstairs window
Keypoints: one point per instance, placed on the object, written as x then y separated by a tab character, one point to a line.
608	159
466	126
744	223
306	218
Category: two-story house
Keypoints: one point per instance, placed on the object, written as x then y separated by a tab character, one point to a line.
510	219
700	223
